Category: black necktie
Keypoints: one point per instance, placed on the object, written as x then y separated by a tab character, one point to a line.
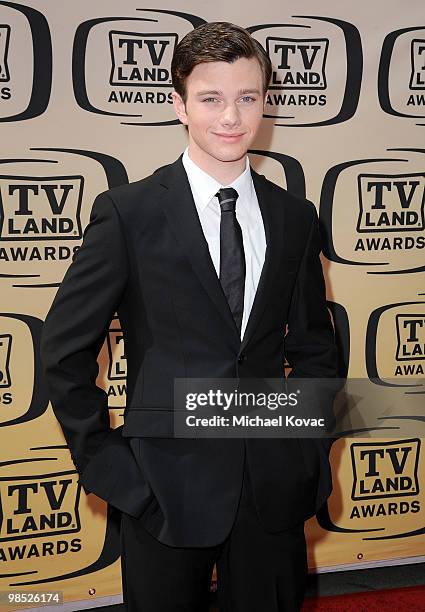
232	257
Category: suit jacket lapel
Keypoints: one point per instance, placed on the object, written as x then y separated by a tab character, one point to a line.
272	213
180	210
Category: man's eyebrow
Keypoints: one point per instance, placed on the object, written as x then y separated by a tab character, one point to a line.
216	92
242	92
210	92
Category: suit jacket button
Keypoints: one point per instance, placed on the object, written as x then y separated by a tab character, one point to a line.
241	358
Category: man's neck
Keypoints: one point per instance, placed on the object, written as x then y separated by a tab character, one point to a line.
222	171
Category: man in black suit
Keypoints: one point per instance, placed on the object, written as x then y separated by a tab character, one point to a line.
208	264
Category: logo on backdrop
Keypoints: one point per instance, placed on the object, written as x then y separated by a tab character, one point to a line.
42	517
5	379
142	60
391	203
39	506
23	396
307	87
5	92
298	65
385	491
133	81
384	474
403	63
379	223
395	344
417	77
410	340
24	94
113	366
44	206
40	208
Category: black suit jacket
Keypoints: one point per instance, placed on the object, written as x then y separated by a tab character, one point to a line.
144	255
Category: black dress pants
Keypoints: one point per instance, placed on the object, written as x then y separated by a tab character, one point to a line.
256	571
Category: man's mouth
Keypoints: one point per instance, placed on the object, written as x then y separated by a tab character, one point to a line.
229	137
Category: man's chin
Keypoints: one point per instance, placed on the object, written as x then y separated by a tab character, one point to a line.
230	155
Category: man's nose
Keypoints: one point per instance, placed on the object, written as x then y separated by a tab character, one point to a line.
230	115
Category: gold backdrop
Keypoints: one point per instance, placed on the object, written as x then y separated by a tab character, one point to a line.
85	105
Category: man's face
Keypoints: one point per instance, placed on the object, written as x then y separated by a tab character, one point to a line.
223	110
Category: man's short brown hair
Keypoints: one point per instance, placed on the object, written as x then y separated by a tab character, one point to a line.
218	41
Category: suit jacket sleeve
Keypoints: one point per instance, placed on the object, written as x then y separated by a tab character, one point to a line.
310	342
75	329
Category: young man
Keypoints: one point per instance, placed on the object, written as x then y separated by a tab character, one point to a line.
206	263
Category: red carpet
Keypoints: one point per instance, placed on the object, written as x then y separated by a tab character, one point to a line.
409	598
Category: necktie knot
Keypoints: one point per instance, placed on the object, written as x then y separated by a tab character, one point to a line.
227	197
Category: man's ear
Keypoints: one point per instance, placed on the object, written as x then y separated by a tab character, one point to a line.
179	107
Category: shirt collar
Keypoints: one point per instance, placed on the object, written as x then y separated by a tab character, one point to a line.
204	186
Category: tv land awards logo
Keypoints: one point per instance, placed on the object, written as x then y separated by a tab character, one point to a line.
117	369
386	497
390	203
41	208
298	64
384	473
113	366
45	205
134	79
307	86
402	63
39	514
395	345
24	94
23	396
417	77
5	379
5	92
39	506
139	60
411	340
44	518
373	213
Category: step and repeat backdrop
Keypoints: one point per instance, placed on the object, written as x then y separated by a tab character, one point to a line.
85	104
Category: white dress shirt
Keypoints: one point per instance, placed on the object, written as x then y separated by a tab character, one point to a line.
204	187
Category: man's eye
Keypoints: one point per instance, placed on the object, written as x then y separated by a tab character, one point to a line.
209	100
248	99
